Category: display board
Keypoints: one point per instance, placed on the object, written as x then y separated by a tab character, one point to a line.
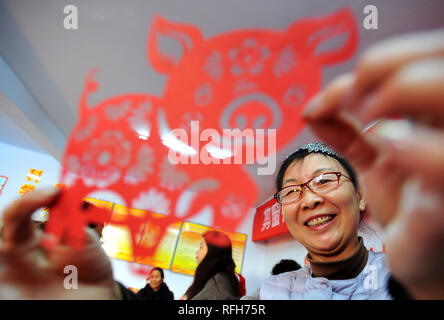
165	251
177	249
189	239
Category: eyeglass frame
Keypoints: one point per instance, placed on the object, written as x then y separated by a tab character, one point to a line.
306	184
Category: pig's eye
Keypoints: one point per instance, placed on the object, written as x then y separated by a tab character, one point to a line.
203	95
294	95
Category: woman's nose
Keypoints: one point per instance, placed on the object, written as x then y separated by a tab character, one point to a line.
309	199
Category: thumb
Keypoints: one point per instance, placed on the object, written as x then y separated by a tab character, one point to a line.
91	262
17	225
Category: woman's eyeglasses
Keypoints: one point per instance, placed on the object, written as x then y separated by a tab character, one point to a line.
322	183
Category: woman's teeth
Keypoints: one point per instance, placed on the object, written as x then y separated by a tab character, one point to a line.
319	221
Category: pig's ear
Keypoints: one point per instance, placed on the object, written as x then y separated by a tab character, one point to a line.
320	34
91	85
184	35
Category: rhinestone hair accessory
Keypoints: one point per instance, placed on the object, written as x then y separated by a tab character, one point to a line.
310	148
317	147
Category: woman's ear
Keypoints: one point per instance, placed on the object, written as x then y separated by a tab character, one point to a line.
362	204
362	201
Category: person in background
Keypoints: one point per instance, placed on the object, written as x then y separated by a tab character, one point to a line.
285	265
156	288
215	278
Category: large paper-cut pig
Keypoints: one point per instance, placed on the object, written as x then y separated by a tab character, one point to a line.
243	79
248	78
119	146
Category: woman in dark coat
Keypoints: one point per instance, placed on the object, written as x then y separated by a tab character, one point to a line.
156	289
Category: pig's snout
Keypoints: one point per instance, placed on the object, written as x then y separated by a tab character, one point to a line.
251	111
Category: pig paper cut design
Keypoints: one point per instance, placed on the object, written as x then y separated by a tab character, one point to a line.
118	146
248	78
257	79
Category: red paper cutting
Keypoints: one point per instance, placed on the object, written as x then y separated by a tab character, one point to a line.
245	79
248	78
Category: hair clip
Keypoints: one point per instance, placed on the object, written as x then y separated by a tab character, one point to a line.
317	147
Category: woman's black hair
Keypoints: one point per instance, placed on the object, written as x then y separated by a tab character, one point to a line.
319	148
285	265
160	271
218	259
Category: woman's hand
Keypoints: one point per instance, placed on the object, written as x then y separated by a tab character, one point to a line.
29	271
401	162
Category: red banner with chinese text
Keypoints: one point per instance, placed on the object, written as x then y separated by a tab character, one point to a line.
268	221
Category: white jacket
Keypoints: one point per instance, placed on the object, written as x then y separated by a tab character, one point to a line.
371	283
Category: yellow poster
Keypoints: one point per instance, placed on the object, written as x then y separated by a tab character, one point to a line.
181	258
190	237
185	255
117	239
117	242
164	252
100	203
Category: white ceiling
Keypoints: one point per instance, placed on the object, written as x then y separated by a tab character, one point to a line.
11	133
51	62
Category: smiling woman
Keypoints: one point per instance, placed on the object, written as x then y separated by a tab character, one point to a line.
323	207
325	218
156	288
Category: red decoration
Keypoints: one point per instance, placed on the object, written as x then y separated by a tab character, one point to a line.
217	239
268	221
141	269
257	79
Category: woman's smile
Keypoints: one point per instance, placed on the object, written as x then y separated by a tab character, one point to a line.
320	222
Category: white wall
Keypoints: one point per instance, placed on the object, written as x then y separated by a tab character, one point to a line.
23	110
